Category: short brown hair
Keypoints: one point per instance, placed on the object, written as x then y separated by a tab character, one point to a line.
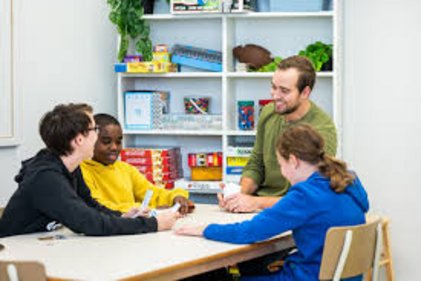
306	144
61	125
307	74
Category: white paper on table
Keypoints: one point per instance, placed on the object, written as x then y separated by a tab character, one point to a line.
231	188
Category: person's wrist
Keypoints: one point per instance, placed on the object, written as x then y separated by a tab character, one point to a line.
258	203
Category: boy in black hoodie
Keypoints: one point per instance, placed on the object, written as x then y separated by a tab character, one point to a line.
51	189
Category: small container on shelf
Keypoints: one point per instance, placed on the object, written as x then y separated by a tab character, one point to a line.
132	58
205	166
245	114
191	122
196	105
205	59
298	5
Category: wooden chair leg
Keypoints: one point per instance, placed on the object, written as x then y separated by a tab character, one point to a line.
387	252
386	258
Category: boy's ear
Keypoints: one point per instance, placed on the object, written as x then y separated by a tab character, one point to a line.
77	141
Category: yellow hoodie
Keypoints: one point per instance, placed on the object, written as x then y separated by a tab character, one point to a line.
120	186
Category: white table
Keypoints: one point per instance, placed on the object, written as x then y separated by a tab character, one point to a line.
154	256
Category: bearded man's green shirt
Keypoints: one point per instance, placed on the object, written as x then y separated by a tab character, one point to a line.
263	166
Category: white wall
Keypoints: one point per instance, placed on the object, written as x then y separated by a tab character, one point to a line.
382	123
64	52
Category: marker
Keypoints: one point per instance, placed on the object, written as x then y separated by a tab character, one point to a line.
147	199
173	209
145	202
52	237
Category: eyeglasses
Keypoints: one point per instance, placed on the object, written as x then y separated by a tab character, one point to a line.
95	129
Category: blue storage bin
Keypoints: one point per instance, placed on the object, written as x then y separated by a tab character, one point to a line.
297	5
206	59
263	5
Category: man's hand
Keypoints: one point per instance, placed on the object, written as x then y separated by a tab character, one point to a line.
240	203
248	186
186	206
221	201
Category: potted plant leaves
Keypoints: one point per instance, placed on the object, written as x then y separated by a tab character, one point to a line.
320	54
127	15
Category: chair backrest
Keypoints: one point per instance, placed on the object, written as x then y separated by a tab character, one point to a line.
22	271
351	250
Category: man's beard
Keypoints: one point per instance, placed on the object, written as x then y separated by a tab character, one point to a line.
287	110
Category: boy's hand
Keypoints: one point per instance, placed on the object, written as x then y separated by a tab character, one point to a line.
136	212
166	220
186	206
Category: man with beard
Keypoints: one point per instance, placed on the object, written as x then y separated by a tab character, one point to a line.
262	184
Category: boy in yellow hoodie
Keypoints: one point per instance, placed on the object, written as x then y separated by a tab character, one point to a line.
117	184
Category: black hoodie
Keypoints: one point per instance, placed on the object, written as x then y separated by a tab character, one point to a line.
48	195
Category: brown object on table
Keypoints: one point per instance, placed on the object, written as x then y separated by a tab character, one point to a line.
191	206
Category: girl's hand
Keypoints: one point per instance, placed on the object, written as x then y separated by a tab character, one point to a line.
190	230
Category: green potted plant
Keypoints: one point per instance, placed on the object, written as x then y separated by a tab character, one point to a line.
127	15
320	54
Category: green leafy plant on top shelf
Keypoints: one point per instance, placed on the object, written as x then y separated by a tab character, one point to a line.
127	15
319	53
270	67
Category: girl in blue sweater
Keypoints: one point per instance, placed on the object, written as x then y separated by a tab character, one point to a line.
323	194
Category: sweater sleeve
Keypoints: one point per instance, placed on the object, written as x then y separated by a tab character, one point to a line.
54	196
160	197
289	213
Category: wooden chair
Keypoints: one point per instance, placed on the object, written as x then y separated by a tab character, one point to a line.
386	255
22	271
351	251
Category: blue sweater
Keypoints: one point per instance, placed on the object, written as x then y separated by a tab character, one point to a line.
309	209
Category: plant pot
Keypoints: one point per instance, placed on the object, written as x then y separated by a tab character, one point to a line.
148	6
327	66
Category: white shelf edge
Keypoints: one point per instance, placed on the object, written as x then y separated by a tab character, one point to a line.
268	74
240	133
172	75
327	74
203	190
174	132
282	14
183	16
210	75
238	15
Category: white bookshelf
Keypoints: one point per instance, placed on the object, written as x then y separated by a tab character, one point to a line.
283	34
